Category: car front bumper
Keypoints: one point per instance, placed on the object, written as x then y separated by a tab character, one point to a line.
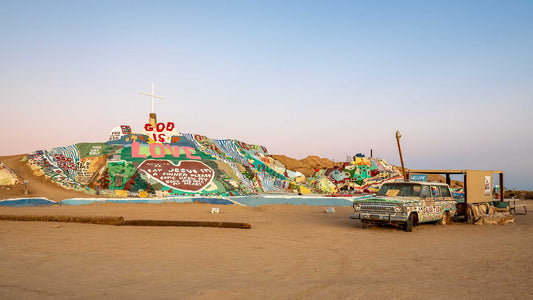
380	217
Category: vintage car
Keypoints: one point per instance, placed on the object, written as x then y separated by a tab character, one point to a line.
407	203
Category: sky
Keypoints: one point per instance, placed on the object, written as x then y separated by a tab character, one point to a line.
326	78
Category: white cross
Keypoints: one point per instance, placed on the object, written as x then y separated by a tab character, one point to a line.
153	95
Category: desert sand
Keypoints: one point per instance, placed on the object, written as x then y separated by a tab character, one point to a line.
291	252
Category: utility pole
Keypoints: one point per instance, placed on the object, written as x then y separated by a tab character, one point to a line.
398	136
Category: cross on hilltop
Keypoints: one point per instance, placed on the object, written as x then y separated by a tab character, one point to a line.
153	96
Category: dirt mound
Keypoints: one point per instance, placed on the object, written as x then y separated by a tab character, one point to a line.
305	166
454	184
39	186
519	194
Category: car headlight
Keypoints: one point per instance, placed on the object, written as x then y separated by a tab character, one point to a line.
398	208
357	206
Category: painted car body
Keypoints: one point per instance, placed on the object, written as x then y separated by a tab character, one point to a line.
396	201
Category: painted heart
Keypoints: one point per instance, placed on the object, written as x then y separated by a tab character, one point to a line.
191	176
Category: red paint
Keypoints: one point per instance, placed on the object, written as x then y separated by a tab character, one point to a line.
170	126
158	137
161	150
135	150
186	175
148	127
160	127
188	152
175	150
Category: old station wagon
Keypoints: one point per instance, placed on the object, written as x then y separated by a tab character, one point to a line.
407	203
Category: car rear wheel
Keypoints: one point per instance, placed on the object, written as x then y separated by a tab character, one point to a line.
445	220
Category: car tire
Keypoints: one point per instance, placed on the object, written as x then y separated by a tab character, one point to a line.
408	226
365	224
445	220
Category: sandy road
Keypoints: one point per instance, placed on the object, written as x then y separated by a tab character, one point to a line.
39	186
291	252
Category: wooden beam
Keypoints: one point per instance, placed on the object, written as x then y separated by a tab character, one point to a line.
187	223
70	219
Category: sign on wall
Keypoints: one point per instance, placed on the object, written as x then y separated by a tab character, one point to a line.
418	177
191	176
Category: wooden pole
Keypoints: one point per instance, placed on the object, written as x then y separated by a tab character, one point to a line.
398	136
501	187
119	221
187	223
466	197
69	219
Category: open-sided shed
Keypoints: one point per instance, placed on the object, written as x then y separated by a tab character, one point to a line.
477	184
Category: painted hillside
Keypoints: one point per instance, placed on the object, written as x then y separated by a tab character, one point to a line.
168	163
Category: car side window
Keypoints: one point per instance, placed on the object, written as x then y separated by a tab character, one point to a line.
435	191
445	191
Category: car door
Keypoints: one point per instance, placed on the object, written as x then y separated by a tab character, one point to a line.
427	203
436	210
447	201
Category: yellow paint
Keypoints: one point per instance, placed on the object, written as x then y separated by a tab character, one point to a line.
121	193
392	193
143	194
305	191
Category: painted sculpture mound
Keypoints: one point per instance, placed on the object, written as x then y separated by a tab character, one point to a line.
168	163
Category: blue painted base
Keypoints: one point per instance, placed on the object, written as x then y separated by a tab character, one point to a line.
25	202
253	201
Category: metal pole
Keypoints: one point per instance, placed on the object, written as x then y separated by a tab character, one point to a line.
398	136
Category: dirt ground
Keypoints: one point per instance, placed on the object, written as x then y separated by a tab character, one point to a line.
291	252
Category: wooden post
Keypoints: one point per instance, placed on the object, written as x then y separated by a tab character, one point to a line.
398	136
501	187
466	199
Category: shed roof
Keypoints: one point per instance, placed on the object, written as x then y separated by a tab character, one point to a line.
444	171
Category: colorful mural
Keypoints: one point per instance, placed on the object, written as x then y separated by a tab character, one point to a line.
159	161
362	175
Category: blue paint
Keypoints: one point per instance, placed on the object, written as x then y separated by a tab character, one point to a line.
252	201
255	201
220	201
419	177
27	202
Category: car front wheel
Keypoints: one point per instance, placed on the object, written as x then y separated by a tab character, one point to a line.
365	224
408	226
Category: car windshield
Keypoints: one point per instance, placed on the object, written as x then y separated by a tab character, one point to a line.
400	189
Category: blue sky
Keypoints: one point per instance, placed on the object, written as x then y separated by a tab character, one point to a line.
327	78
